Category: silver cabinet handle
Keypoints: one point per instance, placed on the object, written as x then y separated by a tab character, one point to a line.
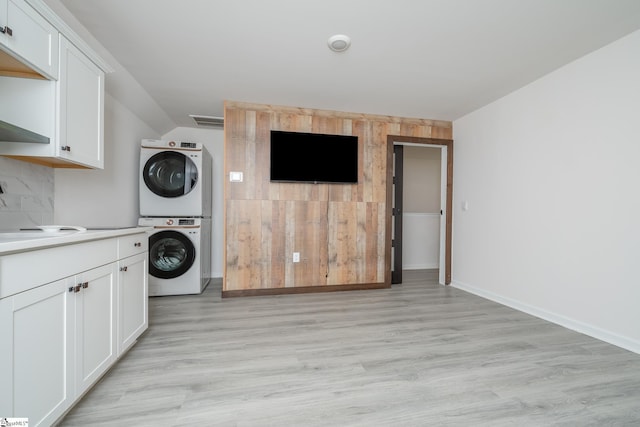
6	30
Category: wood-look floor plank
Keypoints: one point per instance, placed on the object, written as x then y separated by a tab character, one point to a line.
417	354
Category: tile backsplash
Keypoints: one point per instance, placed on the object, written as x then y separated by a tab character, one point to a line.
26	194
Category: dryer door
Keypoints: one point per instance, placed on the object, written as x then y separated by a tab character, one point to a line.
170	174
171	254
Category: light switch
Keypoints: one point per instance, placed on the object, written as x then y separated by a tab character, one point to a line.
235	176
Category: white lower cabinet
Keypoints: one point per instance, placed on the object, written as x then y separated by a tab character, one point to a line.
37	370
133	317
95	324
59	338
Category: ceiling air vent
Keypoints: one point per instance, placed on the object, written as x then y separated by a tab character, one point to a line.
209	121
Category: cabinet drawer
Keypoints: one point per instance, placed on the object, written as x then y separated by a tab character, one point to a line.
25	270
133	244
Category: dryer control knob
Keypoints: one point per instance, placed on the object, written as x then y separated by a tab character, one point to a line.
169	222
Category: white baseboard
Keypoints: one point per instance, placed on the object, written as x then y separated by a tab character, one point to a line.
558	319
420	266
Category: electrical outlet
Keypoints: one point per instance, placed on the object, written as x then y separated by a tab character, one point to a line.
296	257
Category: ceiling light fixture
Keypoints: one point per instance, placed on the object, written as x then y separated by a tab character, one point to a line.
339	43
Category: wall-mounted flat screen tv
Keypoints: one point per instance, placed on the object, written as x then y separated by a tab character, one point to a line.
313	158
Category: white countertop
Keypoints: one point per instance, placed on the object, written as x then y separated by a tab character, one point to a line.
29	240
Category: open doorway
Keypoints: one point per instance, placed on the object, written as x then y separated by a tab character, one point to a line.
396	210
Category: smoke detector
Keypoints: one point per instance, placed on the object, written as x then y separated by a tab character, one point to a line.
339	42
209	121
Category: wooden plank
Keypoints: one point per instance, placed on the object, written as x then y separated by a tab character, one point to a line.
342	252
360	260
290	243
278	243
311	242
262	267
372	231
262	153
382	243
251	179
243	245
234	151
378	151
231	278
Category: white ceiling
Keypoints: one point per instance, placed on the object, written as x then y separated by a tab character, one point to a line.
437	59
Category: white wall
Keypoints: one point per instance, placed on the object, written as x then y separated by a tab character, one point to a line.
108	197
213	140
421	179
420	240
551	174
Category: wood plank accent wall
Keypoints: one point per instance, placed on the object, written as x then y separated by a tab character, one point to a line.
338	229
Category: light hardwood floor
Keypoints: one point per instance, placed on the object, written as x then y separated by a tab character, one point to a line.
418	354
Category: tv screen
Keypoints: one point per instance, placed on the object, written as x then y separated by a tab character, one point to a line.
314	158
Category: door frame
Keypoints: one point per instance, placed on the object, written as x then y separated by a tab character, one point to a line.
448	143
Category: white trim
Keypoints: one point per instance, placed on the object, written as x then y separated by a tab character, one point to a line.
575	325
420	267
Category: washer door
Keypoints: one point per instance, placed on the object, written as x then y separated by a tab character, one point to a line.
171	254
170	174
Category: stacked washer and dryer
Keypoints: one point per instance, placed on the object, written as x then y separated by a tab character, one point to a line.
175	199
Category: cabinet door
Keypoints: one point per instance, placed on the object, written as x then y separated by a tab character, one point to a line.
81	108
3	21
95	324
37	370
33	38
133	300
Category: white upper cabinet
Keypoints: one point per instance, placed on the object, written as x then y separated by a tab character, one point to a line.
69	111
4	4
52	85
26	35
80	108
